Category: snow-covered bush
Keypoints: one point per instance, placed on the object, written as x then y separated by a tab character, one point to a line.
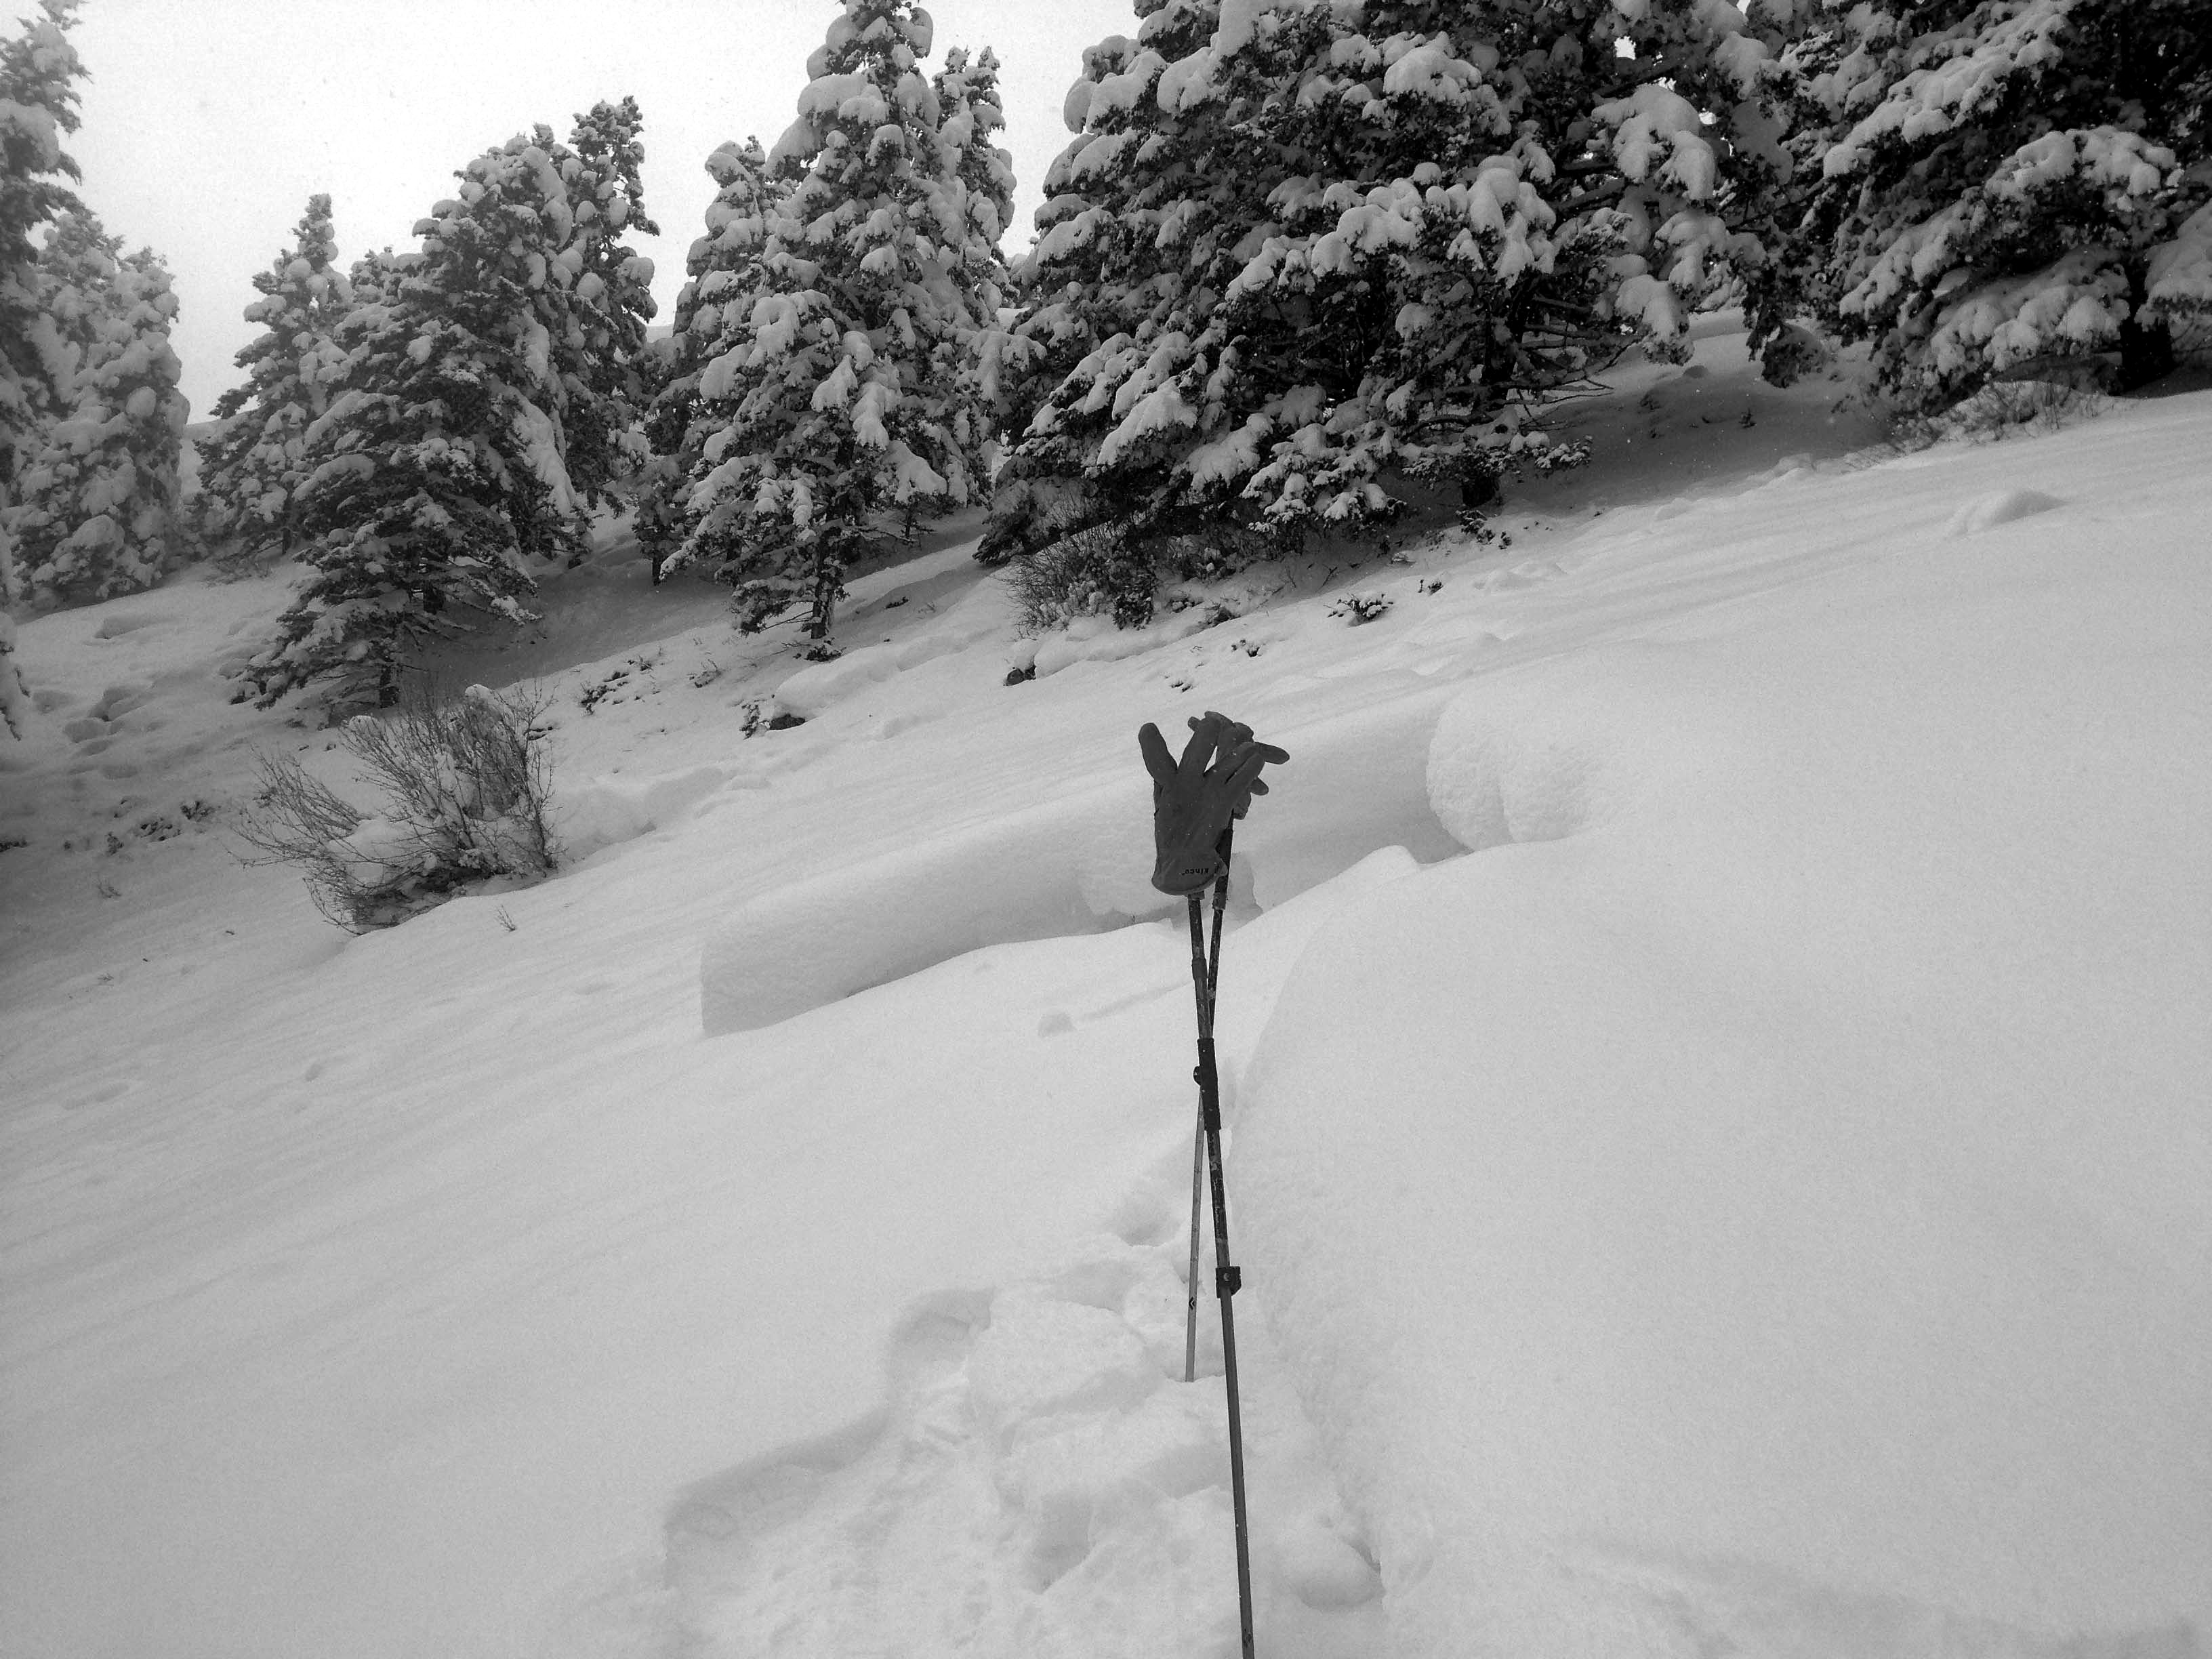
846	314
1300	251
466	787
1091	572
476	411
93	506
1357	608
1996	188
255	466
2003	409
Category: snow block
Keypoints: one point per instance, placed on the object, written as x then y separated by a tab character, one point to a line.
1077	866
1353	784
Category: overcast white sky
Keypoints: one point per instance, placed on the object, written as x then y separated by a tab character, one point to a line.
209	123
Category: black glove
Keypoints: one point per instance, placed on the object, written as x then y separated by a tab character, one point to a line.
1194	801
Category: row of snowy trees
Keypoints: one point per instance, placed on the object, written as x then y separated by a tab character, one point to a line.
429	431
1304	255
1302	262
91	419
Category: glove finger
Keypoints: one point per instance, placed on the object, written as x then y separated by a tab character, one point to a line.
1158	761
1234	758
1244	781
1234	740
1198	753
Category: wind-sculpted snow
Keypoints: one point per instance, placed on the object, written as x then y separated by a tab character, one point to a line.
1759	1200
1077	866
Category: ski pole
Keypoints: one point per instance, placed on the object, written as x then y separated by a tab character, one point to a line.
1226	1279
1194	804
1212	972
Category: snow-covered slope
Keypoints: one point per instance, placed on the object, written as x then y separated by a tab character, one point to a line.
1712	1019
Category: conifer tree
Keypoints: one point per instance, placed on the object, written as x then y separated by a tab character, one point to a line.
600	345
725	269
842	423
96	509
254	466
38	72
979	186
1999	187
1299	253
475	411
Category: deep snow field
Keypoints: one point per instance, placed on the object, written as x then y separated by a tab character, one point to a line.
1717	1031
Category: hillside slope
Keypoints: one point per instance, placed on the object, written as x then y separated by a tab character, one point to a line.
1711	1020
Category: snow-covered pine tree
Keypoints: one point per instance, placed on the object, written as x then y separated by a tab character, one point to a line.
599	353
841	416
443	476
979	186
724	266
255	463
2009	188
96	509
38	72
1299	250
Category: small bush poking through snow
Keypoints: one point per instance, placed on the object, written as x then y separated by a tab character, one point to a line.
1357	608
2003	409
1091	572
466	786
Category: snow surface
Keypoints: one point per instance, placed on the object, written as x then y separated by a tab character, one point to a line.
1713	1023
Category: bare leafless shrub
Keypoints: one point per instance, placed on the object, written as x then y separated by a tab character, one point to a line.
1092	572
2005	408
466	785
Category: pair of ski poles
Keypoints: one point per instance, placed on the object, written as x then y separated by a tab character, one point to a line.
1204	1157
1196	804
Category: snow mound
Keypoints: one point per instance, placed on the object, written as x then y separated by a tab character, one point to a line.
590	818
1526	759
1987	512
1758	1205
1075	866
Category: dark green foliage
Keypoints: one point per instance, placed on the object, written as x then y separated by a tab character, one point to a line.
1986	188
1297	256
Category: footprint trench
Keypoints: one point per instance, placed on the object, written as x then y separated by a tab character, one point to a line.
1041	1481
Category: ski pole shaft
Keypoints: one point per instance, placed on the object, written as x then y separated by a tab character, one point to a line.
1226	1282
1205	976
1198	978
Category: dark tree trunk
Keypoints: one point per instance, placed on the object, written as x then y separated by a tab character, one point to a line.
2146	352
